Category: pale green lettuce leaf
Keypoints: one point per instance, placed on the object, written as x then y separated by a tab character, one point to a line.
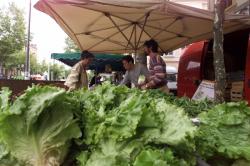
111	153
173	125
5	94
117	124
241	163
225	130
39	133
151	157
6	159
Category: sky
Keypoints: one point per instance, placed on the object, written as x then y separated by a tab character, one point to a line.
47	34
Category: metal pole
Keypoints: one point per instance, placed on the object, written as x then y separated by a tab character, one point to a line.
27	62
48	71
53	71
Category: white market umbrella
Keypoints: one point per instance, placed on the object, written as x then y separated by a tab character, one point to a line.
122	26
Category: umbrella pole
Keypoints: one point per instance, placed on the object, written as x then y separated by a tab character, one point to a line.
142	29
27	58
131	35
151	38
119	29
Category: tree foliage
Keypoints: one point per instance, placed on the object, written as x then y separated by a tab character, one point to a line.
58	72
12	32
70	46
13	41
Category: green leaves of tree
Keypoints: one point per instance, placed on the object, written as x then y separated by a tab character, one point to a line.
12	31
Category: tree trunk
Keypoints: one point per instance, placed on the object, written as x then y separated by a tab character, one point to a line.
219	65
1	70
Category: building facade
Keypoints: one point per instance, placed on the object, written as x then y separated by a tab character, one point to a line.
234	6
172	58
201	4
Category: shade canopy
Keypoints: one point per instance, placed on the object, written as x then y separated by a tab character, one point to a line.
99	63
122	26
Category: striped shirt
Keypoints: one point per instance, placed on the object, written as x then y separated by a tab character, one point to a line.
157	71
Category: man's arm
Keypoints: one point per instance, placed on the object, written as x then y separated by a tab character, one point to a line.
145	72
125	80
159	77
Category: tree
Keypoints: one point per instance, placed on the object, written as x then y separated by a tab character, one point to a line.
12	33
17	59
70	46
43	67
58	72
219	65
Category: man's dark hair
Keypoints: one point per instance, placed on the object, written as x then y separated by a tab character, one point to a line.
151	44
96	72
86	55
128	58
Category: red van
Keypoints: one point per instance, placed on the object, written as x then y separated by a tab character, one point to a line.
196	63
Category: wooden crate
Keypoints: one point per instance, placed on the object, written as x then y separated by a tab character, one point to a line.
236	95
237	86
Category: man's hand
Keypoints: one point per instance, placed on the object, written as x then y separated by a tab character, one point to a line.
144	87
141	85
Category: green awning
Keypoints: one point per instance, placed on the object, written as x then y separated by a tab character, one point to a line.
77	55
101	60
58	56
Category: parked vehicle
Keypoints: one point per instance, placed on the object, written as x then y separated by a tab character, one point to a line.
196	64
172	79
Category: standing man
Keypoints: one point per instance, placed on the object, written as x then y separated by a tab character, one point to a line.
133	71
78	76
157	68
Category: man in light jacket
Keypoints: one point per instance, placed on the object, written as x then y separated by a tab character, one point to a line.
78	76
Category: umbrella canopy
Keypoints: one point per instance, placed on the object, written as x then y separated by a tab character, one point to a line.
101	60
122	26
